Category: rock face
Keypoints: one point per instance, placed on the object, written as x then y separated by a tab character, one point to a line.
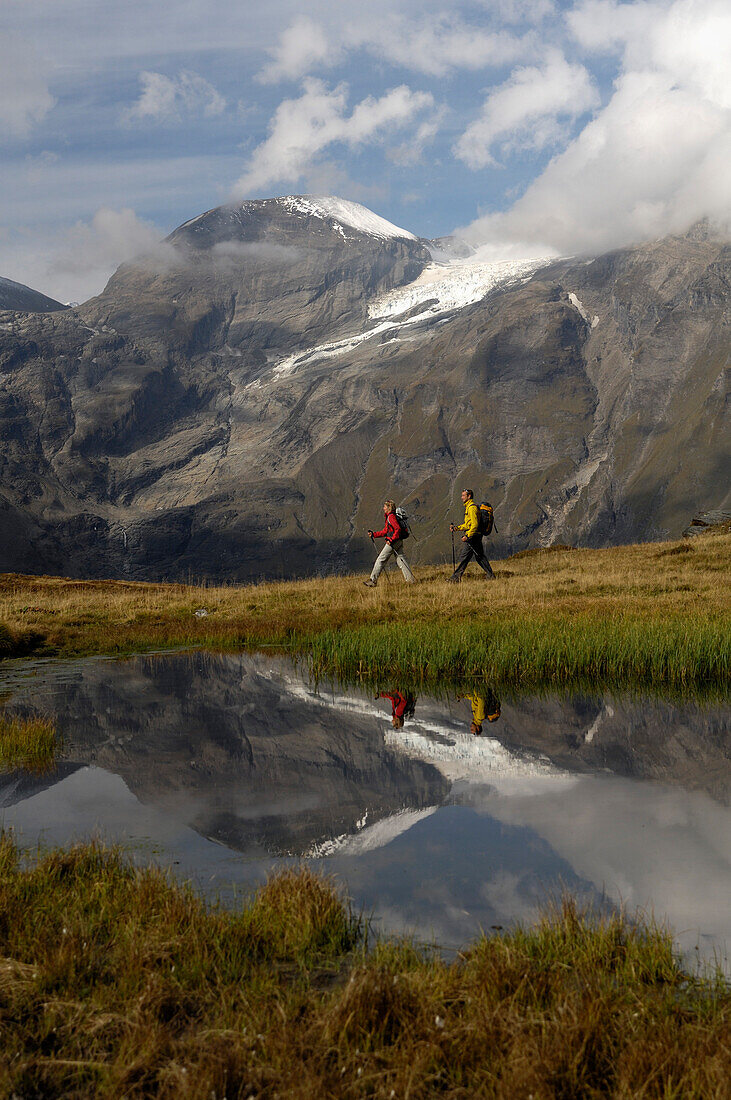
17	296
239	403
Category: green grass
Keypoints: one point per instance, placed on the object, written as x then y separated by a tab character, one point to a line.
28	743
114	982
528	653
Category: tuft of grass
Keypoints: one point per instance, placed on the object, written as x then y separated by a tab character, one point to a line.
298	915
115	982
28	743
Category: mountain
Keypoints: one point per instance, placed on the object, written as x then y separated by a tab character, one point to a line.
17	296
239	402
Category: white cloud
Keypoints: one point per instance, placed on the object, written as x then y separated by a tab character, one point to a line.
435	45
411	151
24	95
302	128
441	44
76	262
526	111
303	46
165	97
657	156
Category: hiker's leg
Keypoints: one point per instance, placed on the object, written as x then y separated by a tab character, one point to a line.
466	555
402	562
380	561
477	546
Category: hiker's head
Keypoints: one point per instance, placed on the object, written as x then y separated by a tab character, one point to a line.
467	494
397	722
475	728
389	506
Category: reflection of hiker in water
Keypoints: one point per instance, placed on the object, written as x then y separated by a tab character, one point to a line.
402	706
483	706
394	533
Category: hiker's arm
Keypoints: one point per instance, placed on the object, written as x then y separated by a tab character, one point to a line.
381	534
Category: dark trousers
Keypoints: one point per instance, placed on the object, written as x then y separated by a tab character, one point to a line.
472	549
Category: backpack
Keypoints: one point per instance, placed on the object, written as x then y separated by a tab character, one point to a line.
487	520
402	522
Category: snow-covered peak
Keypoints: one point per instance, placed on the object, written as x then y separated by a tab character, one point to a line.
347	214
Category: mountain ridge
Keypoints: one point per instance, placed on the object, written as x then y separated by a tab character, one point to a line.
234	405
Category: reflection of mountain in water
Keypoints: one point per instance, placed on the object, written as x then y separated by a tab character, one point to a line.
239	748
17	785
645	739
219	743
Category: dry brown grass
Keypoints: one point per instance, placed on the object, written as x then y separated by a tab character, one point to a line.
115	983
682	585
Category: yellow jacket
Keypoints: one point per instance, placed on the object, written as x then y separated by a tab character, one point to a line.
478	708
471	523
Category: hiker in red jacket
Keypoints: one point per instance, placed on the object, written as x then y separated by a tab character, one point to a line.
394	541
402	706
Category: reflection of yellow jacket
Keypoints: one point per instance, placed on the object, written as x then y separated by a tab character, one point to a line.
471	523
478	708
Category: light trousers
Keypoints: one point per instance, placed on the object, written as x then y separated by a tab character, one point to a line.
390	549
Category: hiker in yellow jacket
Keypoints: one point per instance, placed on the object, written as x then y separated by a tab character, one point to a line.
471	539
483	706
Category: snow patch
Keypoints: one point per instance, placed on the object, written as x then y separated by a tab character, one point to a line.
592	322
367	840
442	287
607	711
439	290
345	213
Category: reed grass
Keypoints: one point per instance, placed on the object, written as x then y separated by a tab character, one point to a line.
655	614
115	982
27	742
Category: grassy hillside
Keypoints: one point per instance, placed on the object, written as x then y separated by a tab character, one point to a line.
651	614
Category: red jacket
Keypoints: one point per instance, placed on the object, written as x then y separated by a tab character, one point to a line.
392	530
398	703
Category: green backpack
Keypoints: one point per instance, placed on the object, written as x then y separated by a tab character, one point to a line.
487	520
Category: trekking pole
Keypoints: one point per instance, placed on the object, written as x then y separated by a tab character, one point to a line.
454	560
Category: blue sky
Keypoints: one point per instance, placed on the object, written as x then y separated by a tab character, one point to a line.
531	127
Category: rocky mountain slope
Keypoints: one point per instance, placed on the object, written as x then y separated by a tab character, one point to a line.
17	296
238	403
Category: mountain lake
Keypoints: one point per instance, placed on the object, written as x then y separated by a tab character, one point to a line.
227	767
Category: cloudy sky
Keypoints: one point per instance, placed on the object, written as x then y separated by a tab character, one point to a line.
530	125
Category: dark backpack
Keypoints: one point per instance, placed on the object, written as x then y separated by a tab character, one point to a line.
401	519
487	520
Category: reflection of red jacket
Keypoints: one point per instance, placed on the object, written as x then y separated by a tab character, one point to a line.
398	703
392	531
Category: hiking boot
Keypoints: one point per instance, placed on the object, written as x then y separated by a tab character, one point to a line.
369	584
453	580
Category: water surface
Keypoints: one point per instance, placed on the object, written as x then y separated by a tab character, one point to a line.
227	766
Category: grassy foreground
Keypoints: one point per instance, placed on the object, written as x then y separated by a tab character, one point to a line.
655	614
115	982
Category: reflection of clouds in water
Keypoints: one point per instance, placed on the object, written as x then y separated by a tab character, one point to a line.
93	802
662	849
458	871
